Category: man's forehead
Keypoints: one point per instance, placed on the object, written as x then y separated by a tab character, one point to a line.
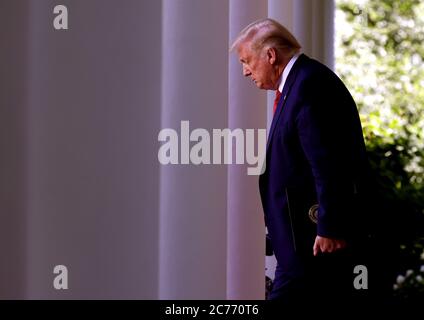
243	49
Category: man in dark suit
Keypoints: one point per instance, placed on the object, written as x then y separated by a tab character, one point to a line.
315	156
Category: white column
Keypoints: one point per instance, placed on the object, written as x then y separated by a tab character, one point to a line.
313	26
323	32
246	230
94	113
302	24
13	146
192	262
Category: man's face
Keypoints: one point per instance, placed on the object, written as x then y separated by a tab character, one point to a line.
258	65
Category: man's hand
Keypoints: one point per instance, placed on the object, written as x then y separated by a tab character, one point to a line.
327	245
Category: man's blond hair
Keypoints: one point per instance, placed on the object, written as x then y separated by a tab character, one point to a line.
268	33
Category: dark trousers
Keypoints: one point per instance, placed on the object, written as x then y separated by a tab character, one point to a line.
329	278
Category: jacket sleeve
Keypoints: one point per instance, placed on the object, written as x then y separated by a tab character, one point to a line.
322	130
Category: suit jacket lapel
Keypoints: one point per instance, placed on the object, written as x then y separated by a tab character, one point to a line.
286	91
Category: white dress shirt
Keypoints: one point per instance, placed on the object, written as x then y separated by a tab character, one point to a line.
286	71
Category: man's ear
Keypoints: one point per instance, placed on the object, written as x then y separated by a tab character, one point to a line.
271	55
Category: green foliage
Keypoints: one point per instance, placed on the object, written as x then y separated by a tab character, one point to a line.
379	55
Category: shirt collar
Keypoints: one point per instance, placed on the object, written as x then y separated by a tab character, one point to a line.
286	71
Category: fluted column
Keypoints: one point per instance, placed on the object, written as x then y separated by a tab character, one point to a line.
313	26
193	226
14	31
246	231
323	32
303	24
92	169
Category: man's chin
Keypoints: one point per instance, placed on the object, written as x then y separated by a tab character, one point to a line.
263	87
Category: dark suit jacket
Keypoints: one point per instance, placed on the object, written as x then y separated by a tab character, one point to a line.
315	154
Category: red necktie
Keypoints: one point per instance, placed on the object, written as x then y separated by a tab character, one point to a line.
277	99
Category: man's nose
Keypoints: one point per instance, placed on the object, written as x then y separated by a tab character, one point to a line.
246	71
